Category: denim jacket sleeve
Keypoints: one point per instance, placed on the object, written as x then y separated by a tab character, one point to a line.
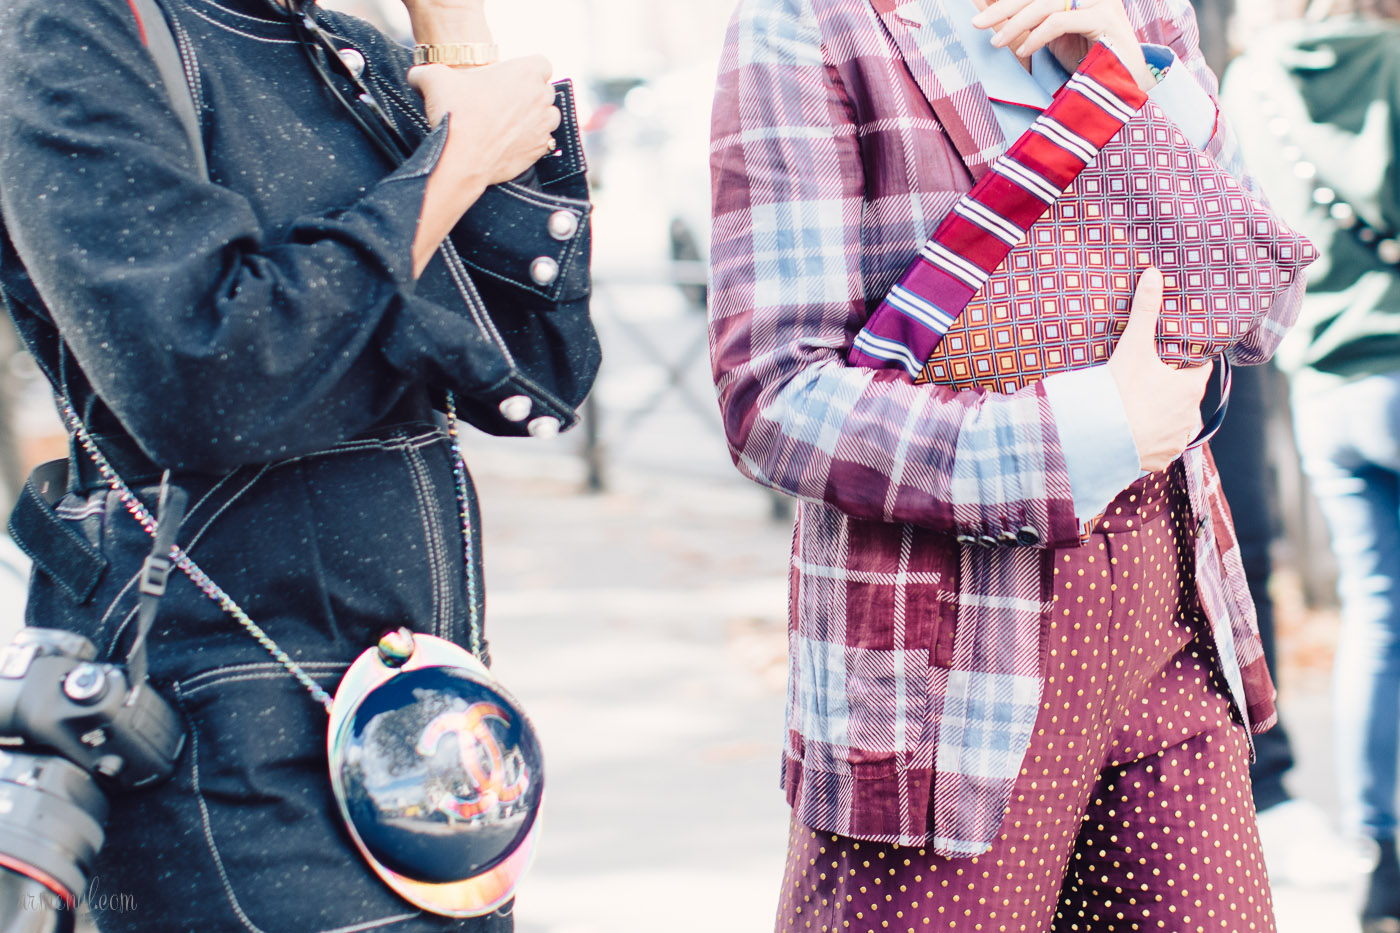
522	256
213	340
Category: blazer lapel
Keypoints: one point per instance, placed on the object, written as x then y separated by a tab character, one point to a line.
935	57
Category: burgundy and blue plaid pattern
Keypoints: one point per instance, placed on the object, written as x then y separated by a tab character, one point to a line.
843	131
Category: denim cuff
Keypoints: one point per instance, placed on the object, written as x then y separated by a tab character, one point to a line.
395	205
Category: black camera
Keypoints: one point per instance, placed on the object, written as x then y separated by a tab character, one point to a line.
55	697
70	728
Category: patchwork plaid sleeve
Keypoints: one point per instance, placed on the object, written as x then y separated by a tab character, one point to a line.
1173	23
788	298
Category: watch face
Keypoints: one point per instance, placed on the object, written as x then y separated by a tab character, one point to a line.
439	776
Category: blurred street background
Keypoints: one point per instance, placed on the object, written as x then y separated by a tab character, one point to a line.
637	584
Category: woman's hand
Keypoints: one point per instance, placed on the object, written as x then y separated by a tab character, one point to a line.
503	120
1069	28
1163	404
503	115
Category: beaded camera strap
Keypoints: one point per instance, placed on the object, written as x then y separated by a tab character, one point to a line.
216	593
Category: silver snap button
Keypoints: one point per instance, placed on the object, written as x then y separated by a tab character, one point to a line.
353	60
543	427
1388	251
563	224
516	408
544	271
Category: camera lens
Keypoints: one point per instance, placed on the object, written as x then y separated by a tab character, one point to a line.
51	818
26	906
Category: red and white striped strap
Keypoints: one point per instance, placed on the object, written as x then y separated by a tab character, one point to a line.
991	219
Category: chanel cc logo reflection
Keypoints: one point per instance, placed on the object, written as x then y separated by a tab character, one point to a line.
481	758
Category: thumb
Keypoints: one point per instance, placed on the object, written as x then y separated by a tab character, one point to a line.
420	77
1146	308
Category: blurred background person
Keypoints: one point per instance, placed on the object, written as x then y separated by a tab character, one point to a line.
1317	102
1290	828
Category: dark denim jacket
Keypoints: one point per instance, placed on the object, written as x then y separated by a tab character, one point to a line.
268	312
260	333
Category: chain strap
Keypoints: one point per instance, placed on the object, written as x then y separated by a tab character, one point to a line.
459	477
216	593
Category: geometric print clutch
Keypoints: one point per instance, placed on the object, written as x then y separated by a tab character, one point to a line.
1033	270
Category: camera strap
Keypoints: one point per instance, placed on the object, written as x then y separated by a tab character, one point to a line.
155	573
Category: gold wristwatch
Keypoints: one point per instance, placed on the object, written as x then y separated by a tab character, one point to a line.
457	53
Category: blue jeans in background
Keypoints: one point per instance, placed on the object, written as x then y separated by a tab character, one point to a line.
1349	439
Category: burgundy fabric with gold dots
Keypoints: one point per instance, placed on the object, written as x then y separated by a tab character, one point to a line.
1132	810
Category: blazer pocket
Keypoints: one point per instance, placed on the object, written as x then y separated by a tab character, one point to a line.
861	708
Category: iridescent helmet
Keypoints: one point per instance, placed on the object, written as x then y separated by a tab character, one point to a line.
437	772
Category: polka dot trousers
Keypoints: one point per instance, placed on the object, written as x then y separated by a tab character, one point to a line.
1132	811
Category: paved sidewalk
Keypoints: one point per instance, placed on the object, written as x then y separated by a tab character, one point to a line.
643	630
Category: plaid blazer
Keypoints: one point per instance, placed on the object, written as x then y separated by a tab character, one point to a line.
843	131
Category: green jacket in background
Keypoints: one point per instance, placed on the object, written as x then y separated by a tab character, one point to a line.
1316	107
